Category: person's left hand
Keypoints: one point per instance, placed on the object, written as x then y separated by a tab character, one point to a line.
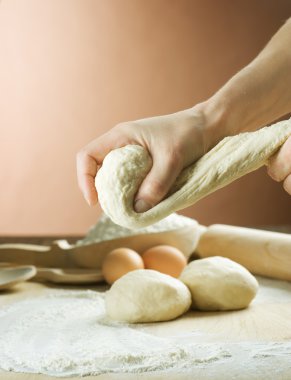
279	167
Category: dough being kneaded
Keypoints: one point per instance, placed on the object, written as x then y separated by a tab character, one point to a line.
218	283
146	295
124	169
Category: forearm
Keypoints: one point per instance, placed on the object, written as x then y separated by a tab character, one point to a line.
257	95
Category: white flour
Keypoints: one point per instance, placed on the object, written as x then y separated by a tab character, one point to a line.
66	333
105	229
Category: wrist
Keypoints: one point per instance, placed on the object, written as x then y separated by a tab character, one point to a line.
214	122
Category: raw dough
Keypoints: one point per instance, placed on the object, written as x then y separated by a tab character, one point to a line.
146	295
124	169
218	283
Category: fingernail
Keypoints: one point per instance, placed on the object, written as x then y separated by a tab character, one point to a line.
141	206
87	198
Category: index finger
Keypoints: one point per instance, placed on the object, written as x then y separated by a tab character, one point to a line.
87	168
88	160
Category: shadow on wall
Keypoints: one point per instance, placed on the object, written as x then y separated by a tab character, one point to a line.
71	70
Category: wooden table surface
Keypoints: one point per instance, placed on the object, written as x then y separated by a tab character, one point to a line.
267	319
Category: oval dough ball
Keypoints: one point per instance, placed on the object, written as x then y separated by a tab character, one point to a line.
218	283
145	295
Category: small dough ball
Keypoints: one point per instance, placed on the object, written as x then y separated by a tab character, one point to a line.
165	259
218	283
119	262
147	296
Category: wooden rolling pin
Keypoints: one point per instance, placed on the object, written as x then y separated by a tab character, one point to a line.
264	253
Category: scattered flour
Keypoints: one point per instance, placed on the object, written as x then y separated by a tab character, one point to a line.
66	333
105	229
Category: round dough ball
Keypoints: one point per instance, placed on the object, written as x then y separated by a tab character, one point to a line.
146	295
218	283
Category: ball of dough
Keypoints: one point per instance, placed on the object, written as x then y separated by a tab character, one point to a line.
146	295
218	283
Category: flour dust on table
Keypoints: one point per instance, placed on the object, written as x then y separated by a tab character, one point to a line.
67	333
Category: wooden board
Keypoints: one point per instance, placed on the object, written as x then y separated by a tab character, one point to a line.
267	319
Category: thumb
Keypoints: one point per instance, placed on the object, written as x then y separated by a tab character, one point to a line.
158	182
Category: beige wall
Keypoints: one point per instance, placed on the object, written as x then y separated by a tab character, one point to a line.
71	69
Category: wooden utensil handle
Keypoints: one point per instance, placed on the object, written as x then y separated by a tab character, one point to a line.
264	253
32	254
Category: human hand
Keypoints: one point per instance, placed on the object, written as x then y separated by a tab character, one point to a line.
279	166
174	141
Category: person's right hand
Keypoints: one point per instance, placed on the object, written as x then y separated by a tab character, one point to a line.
279	167
174	141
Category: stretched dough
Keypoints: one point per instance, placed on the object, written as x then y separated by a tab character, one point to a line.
124	169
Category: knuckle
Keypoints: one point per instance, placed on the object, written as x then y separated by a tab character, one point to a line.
155	189
118	127
273	173
270	173
122	133
121	128
287	184
175	157
287	189
81	154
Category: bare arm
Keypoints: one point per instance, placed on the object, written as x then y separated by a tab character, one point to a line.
257	95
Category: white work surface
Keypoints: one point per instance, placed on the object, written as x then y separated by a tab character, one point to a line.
256	329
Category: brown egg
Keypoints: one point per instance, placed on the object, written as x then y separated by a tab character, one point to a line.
120	261
165	259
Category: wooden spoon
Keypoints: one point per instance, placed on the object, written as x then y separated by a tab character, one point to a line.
60	275
69	276
12	276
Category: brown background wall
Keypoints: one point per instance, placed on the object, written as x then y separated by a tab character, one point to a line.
71	69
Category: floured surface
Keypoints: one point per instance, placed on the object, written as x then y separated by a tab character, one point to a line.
105	229
124	169
65	332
